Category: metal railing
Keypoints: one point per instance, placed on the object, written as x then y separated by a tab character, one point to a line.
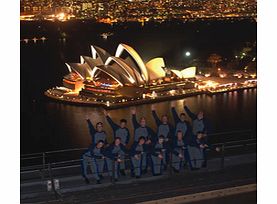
46	168
219	154
39	161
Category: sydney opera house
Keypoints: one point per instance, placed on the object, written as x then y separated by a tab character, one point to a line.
124	76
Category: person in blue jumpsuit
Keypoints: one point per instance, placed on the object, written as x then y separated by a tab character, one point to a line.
123	133
180	153
97	133
158	155
115	155
199	124
180	123
136	153
164	128
142	130
196	149
94	158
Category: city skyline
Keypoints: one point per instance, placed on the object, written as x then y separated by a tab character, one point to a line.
135	10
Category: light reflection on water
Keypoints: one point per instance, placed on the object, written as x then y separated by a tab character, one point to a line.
64	126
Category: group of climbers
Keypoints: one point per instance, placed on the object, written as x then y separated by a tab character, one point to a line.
174	145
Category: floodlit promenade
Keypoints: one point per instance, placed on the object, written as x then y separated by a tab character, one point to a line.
214	86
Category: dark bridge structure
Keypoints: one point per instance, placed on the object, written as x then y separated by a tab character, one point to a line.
60	170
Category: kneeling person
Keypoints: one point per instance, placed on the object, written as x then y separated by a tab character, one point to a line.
158	156
179	152
94	157
115	155
137	153
86	161
196	149
120	130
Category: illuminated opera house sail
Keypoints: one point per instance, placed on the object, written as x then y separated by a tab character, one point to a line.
103	76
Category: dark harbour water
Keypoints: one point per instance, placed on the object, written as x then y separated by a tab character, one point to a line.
47	125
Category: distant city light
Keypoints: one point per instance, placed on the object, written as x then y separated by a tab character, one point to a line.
32	10
212	84
187	53
154	94
108	103
172	92
61	16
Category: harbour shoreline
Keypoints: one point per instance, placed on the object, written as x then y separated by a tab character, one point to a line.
139	101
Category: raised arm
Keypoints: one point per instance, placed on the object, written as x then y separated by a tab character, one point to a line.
134	119
175	115
91	128
111	122
156	118
190	114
